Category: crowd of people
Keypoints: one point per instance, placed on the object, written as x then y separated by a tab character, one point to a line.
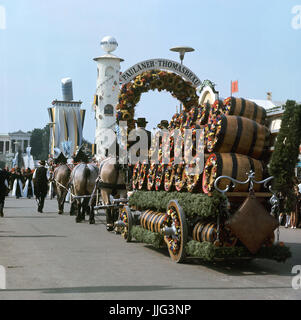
24	183
20	182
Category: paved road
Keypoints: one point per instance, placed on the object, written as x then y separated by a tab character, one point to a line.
48	256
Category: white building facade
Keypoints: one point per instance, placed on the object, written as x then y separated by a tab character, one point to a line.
10	143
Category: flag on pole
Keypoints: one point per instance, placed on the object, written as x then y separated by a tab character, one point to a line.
234	86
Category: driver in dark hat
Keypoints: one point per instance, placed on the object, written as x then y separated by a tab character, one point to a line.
40	180
141	125
163	124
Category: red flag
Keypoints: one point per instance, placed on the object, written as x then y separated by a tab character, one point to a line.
234	86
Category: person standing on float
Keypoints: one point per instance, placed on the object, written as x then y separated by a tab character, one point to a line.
40	180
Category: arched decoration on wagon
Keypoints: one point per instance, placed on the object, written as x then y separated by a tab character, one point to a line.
130	93
208	94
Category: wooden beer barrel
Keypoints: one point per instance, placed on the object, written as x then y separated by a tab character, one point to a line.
234	165
208	232
237	135
245	108
152	220
204	232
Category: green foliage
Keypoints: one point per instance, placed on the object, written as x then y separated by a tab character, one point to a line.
146	236
208	252
286	152
193	204
39	143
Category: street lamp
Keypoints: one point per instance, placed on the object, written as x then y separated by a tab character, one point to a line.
182	51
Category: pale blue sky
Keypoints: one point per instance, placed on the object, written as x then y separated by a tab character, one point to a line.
44	41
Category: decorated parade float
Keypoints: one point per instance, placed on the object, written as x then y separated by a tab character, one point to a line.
222	212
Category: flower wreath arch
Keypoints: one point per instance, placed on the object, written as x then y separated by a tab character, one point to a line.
130	93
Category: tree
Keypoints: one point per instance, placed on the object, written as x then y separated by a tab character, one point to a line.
39	143
286	152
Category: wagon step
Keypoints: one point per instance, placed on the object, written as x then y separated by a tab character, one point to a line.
107	206
120	200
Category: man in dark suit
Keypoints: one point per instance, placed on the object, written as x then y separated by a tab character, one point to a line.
40	184
3	189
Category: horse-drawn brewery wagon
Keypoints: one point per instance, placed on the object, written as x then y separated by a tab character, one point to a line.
222	212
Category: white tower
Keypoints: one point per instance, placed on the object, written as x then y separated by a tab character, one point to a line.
106	98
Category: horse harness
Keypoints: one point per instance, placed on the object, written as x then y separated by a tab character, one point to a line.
113	186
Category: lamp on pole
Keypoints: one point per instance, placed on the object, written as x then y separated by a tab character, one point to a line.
182	51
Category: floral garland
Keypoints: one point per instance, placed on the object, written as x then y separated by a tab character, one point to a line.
124	218
159	176
135	177
210	173
203	114
212	130
180	181
151	176
169	177
193	181
150	80
171	219
142	176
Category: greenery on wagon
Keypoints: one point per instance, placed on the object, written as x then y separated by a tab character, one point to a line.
193	204
145	236
207	251
286	152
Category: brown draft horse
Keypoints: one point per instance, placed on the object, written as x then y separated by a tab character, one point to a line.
111	181
61	177
82	182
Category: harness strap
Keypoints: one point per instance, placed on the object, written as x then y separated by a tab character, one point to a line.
114	186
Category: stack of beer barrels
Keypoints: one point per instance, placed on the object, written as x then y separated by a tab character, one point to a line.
236	141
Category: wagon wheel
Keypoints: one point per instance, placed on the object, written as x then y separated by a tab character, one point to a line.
125	216
176	242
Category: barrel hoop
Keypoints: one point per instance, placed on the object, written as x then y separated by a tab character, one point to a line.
194	232
233	105
142	218
254	139
153	221
210	230
145	216
149	221
202	234
222	132
235	165
238	134
255	111
160	222
263	116
199	230
243	107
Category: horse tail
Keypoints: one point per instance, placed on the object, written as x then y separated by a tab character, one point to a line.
87	174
